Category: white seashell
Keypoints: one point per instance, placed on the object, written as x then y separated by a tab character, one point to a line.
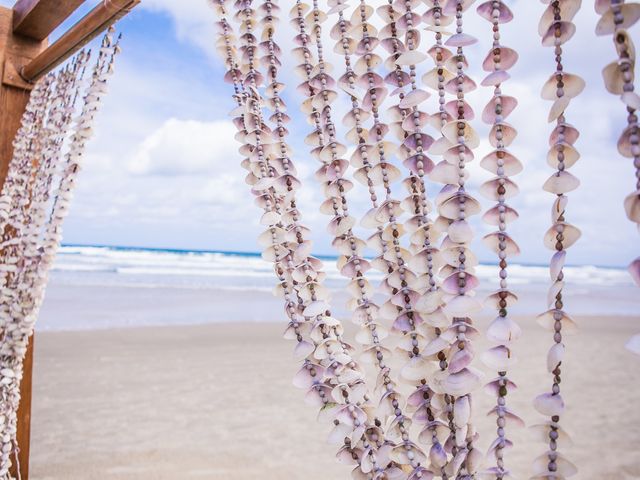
555	356
561	182
570	233
632	206
631	100
564	468
630	15
499	358
557	263
503	331
573	86
460	231
549	404
462	411
462	383
474	461
547	321
634	271
315	308
462	306
558	108
541	432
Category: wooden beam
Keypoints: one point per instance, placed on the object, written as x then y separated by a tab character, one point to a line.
13	100
92	25
37	19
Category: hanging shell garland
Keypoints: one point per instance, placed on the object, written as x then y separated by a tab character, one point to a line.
426	303
556	29
33	205
502	331
617	17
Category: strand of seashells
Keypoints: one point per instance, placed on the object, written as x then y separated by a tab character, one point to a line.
329	373
34	202
556	28
502	331
616	18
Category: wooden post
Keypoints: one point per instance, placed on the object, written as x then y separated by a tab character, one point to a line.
24	57
14	95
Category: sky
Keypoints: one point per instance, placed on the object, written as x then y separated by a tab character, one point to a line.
163	170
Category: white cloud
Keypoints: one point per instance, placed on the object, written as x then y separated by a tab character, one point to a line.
186	147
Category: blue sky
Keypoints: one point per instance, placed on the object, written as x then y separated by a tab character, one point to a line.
163	169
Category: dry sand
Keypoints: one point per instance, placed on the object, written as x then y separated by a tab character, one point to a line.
216	402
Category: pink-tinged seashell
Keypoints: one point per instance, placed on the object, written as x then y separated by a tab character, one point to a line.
446	173
348	456
474	461
341	225
313	397
420	473
555	356
493	300
502	132
503	331
557	263
436	345
399	454
494	240
362	66
624	143
634	271
436	319
547	321
459	360
426	164
462	383
413	141
308	375
468	85
451	284
601	6
489	189
411	57
492	388
567	30
570	233
409	123
460	231
450	7
558	108
495	78
461	411
440	146
498	358
614	79
303	349
553	292
561	182
462	306
450	208
454	153
511	165
508	58
315	308
569	134
461	40
630	15
379	93
624	45
568	9
541	432
503	443
417	368
430	79
492	216
470	137
564	468
485	10
513	420
453	110
429	302
430	17
270	218
558	208
571	155
573	85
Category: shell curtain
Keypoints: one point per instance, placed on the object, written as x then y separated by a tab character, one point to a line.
415	420
48	155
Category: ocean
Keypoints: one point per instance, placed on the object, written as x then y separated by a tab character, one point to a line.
207	287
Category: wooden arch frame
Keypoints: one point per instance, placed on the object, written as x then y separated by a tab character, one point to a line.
25	56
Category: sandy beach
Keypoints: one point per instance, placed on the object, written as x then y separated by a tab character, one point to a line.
216	402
